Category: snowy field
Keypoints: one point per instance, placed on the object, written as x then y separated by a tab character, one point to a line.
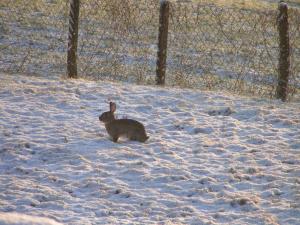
212	158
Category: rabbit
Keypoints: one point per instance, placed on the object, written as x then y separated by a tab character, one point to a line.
116	128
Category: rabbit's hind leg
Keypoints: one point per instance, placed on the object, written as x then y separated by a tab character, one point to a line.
115	138
133	138
140	138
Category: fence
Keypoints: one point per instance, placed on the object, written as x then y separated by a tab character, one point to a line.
226	47
209	46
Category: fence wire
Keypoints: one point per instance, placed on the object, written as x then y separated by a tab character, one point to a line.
33	36
224	47
210	46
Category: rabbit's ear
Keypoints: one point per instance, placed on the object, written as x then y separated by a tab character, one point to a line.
112	106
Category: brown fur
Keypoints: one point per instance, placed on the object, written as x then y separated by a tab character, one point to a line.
116	128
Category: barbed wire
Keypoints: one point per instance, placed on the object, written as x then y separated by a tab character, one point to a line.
210	46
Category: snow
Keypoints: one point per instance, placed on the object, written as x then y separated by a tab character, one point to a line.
212	157
21	219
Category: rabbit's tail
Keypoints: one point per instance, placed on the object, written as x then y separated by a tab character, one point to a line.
145	138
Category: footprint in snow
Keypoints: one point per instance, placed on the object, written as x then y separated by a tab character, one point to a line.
143	108
205	130
227	111
256	140
295	145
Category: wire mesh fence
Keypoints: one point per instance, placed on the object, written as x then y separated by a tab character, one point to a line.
33	36
224	47
118	39
209	46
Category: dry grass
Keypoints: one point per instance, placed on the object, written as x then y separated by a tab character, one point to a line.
210	46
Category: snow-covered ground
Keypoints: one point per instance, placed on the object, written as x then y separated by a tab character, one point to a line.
23	219
212	158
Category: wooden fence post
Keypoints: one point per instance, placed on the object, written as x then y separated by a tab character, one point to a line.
162	42
73	39
284	52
